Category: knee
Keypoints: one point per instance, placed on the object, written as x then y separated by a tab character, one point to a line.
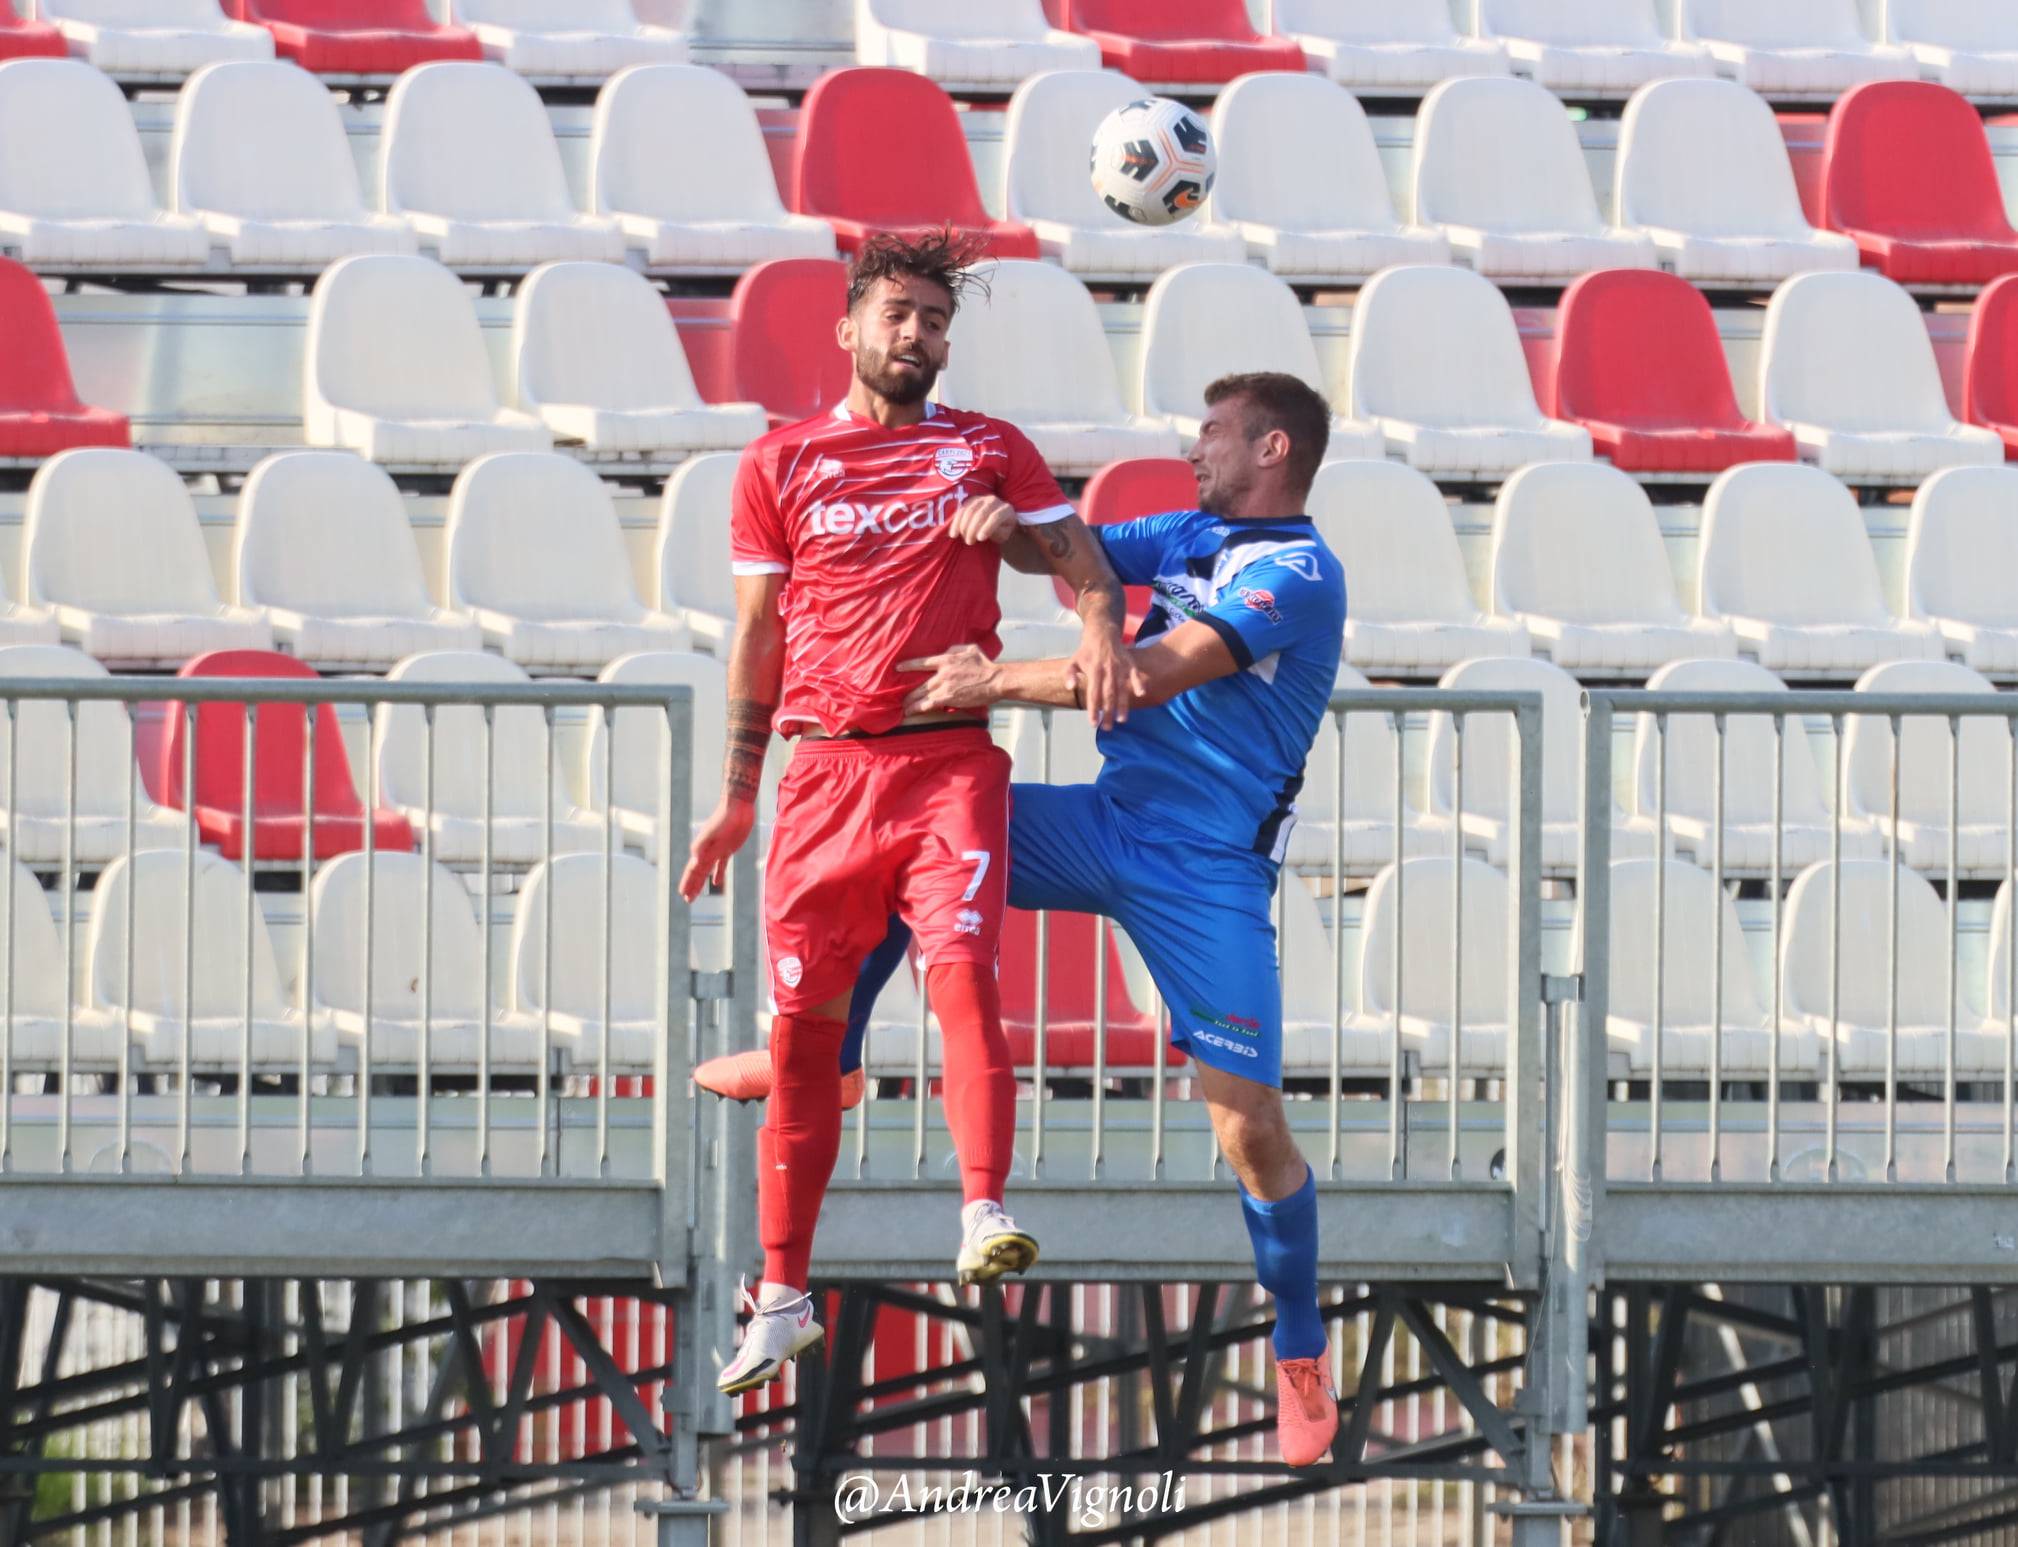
1262	1152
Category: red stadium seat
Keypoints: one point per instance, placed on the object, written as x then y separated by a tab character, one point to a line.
882	150
357	37
1639	364
1990	363
1122	491
21	39
40	414
1907	173
1070	1025
781	321
1180	41
278	812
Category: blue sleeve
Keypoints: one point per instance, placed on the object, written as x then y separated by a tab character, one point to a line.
1135	548
1293	594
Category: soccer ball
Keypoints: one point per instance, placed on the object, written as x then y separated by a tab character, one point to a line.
1153	161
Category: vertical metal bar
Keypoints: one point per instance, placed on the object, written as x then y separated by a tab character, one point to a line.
1457	932
13	867
1835	950
1716	959
610	718
1898	751
123	1075
1779	912
485	861
424	1075
1954	963
1159	1067
1526	1088
2010	949
370	938
921	1077
302	1160
1397	1156
545	1078
1660	944
192	713
1586	1110
1334	1154
1041	1029
672	1119
1100	946
248	774
69	1053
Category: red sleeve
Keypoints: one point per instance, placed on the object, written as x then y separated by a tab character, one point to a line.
756	527
1027	483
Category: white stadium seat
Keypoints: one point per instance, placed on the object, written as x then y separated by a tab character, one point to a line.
518	794
1492	766
468	157
534	550
1749	754
568	41
1036	625
260	157
1425	1011
1075	749
1052	119
1581	47
1367	833
1983	792
1499	171
24	625
1436	363
573	891
41	809
111	541
1612	611
1997	997
637	762
326	554
397	370
83	198
1206	320
1300	178
1377	46
1847	365
1304	955
154	39
1410	608
1785	558
1966	45
1793	47
1703	170
35	1035
978	44
695	582
1961	550
596	356
719	212
1031	350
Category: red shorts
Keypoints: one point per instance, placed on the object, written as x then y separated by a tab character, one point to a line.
914	824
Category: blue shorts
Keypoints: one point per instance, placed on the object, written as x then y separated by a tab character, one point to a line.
1203	918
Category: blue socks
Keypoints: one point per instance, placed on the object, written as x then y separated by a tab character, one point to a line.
1284	1234
881	966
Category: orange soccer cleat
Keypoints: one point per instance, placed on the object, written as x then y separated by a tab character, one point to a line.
1306	1409
747	1077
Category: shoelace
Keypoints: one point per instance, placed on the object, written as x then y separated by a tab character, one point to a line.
748	1302
1307	1381
991	1217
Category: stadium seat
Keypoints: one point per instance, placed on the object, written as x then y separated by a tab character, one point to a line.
84	200
517	757
21	38
1410	609
1961	550
1031	350
534	550
1381	46
396	368
1997	996
1841	978
202	1011
111	542
1205	320
782	317
284	195
597	358
35	821
1983	792
981	45
1181	42
279	798
1990	362
37	993
153	39
695	584
1127	491
1639	363
326	555
1367	837
1703	171
1846	364
568	41
40	412
1436	364
1586	47
1793	48
1966	46
574	897
24	625
1052	121
1784	557
1912	224
1527	211
1492	766
1612	612
637	761
357	37
1416	898
467	155
714	213
1300	179
920	179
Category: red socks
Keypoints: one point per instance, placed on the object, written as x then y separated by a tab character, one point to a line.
799	1142
980	1081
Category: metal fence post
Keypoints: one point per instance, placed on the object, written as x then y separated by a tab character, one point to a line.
1526	1093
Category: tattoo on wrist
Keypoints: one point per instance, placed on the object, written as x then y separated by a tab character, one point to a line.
749	738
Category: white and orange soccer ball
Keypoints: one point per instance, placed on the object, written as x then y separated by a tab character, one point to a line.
1153	161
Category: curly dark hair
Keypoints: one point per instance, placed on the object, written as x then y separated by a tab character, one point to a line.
946	257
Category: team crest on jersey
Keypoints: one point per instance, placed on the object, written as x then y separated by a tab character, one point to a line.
790	970
954	462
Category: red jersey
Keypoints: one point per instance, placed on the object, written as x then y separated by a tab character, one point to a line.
855	515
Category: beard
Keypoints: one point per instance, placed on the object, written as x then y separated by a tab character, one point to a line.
1222	495
889	382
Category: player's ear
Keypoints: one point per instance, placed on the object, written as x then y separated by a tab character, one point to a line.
1274	448
844	332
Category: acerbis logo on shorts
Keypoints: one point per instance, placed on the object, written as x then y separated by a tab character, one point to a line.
790	970
1215	1040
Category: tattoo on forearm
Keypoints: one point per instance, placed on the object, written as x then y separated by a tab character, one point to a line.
749	739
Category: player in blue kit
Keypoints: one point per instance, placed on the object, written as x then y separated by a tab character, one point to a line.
1180	840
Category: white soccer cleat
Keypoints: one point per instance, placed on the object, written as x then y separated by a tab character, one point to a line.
780	1329
992	1245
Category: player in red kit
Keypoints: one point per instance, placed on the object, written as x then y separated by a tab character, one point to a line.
862	539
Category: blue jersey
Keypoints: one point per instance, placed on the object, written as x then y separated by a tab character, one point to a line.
1225	760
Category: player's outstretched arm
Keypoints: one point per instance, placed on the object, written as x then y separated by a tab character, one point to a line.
756	676
1189	655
